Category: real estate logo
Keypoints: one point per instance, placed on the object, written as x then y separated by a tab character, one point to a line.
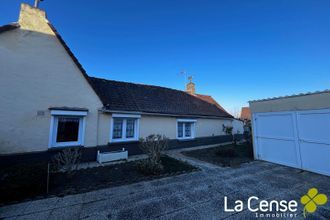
278	209
312	199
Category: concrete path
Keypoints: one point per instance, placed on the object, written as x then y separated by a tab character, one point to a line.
198	195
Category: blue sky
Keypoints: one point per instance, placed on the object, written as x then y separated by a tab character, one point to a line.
236	50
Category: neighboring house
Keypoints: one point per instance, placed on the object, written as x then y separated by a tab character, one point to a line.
293	130
245	114
238	128
48	102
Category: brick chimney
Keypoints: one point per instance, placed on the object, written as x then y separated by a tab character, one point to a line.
190	87
33	19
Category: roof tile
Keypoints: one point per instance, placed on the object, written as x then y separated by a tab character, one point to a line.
124	96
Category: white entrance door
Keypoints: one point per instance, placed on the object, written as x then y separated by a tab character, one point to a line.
298	139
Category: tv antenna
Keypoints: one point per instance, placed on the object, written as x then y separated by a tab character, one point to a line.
36	3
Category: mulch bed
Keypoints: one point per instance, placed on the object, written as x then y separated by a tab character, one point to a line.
26	182
22	181
228	155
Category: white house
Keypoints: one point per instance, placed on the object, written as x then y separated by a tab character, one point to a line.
48	102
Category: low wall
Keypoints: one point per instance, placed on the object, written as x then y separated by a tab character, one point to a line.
89	153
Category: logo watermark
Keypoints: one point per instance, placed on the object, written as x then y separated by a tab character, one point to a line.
312	199
278	208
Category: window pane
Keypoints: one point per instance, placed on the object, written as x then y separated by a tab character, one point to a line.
67	129
117	128
187	129
180	129
130	128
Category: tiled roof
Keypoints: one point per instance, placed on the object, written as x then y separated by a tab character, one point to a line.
124	96
291	96
211	100
8	27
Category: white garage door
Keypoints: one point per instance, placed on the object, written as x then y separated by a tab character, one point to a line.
299	139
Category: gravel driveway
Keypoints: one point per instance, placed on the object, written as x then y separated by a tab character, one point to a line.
198	195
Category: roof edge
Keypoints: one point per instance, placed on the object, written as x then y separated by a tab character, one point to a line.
291	96
140	84
165	114
9	27
74	58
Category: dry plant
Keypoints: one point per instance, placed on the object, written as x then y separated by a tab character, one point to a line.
67	160
153	146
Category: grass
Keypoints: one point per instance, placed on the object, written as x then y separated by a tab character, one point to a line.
24	182
228	155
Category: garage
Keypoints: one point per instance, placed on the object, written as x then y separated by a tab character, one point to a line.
293	131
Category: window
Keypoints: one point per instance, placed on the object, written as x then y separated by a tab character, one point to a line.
124	128
186	128
117	128
180	129
67	128
130	125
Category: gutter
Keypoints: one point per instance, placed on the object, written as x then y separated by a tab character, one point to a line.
163	114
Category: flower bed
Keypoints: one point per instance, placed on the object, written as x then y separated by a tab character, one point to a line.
228	155
28	182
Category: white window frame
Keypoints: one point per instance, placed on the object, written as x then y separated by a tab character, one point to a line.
55	114
124	117
193	129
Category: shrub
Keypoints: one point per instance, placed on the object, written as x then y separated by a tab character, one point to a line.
67	160
152	146
227	129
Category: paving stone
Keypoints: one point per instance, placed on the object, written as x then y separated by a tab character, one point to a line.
129	213
90	208
99	216
13	210
66	213
35	216
97	195
198	195
70	200
41	205
183	214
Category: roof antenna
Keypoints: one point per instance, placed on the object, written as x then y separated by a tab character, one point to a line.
190	79
36	3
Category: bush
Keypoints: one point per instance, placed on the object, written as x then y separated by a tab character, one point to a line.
152	146
227	129
67	160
